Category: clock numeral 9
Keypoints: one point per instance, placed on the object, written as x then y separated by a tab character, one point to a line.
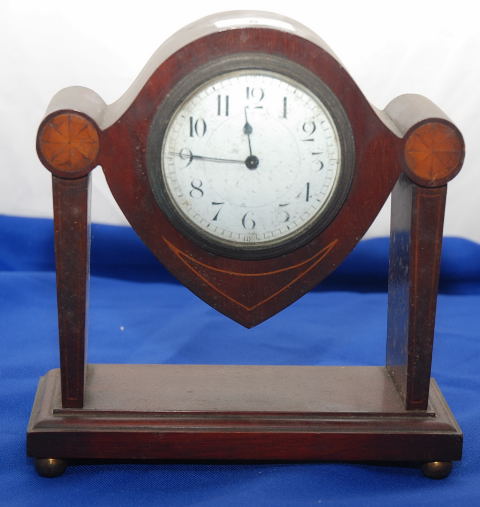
309	128
248	222
186	154
196	192
197	127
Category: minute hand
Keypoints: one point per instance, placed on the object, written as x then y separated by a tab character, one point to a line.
210	159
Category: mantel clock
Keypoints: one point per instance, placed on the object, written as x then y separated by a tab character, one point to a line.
250	163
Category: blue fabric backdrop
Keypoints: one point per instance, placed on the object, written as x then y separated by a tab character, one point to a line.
342	322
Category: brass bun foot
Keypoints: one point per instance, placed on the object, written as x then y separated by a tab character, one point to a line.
437	469
50	467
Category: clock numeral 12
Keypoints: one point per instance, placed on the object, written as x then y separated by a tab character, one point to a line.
255	94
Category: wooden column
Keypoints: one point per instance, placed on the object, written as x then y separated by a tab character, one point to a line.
433	152
415	248
68	143
71	199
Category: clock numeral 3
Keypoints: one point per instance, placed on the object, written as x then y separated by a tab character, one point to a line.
197	127
248	222
196	192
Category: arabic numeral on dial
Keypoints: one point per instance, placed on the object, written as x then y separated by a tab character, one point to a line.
223	105
196	192
248	222
197	127
305	192
220	206
255	95
309	128
285	215
186	154
320	163
284	115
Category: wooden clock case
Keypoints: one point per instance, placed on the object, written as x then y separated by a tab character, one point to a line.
198	412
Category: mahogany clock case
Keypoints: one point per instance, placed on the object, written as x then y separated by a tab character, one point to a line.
250	292
367	413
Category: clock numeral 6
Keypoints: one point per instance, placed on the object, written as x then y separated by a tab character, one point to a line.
248	222
196	192
197	127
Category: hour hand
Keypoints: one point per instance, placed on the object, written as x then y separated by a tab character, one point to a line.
247	130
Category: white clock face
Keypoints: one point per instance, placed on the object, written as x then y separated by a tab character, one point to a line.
251	159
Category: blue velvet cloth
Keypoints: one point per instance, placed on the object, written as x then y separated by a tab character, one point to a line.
140	314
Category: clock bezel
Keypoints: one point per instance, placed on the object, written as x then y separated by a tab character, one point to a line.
210	71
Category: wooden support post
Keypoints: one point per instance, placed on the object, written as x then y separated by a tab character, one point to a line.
71	199
415	248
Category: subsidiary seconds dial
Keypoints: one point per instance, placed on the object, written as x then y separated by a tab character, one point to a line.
250	161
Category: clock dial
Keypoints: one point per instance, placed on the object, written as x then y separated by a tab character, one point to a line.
250	162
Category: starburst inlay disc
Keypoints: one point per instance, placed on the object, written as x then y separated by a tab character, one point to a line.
434	153
69	143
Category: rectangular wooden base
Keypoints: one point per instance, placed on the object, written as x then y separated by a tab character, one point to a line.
212	412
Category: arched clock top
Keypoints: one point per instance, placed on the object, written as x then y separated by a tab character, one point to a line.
219	22
81	99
